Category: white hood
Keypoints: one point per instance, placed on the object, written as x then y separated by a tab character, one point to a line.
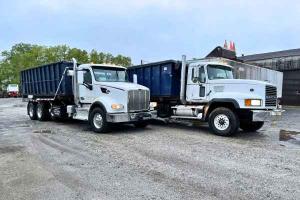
239	81
124	85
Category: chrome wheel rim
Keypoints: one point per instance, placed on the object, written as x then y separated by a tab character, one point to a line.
39	112
221	122
98	120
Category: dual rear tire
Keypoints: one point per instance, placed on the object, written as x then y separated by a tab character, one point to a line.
38	111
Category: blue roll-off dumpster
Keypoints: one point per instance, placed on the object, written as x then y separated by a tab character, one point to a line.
162	78
43	81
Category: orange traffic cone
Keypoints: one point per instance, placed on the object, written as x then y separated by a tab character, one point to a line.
233	47
230	46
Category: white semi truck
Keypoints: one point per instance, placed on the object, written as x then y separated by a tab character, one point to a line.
207	91
98	93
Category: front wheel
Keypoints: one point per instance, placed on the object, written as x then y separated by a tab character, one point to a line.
251	126
223	122
98	121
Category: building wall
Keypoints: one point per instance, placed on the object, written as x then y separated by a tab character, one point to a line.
290	66
280	64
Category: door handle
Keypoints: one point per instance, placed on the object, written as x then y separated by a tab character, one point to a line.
208	93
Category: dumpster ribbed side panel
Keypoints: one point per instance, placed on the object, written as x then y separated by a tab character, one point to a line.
43	81
162	78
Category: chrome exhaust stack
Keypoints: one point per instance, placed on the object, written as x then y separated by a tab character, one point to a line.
75	82
183	80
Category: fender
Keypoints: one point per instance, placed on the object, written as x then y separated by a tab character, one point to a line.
224	100
97	104
219	100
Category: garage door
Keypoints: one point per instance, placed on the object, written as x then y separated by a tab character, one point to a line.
291	88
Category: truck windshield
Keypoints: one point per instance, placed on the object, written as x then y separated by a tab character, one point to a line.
219	72
110	74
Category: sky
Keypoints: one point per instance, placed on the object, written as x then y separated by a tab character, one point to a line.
152	30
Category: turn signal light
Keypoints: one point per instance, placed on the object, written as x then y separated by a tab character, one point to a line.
253	102
117	106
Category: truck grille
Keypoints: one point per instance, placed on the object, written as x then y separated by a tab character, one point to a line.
138	100
271	95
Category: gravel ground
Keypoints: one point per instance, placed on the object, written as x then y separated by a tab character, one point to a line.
55	160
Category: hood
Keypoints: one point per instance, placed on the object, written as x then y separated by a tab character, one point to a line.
239	81
124	86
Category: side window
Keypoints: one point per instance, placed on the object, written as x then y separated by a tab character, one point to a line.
87	77
202	78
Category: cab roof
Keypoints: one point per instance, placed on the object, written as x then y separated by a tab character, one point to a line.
102	65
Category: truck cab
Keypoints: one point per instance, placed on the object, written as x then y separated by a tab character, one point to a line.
105	95
208	82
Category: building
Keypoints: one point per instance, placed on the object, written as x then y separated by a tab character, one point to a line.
288	62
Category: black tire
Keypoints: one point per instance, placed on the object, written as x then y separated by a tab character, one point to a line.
223	122
97	126
164	110
251	126
42	111
31	110
141	124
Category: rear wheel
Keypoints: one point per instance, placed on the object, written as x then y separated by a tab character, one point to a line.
43	112
31	110
223	121
251	126
98	121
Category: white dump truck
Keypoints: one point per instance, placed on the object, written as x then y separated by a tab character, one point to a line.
98	93
207	91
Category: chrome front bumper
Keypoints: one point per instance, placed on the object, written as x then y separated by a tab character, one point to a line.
266	115
130	117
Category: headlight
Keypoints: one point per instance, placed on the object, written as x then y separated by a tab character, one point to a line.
153	104
117	106
253	102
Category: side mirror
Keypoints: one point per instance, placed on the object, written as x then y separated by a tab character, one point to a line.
202	79
80	77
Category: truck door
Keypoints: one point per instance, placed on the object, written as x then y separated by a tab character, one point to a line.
197	84
86	90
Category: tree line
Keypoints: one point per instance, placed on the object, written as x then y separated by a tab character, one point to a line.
24	56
